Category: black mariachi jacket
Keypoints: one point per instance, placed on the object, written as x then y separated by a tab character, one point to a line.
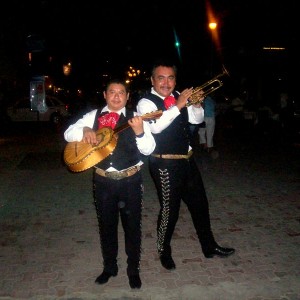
126	153
175	138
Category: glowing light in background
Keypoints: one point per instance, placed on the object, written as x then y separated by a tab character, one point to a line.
215	40
132	73
177	44
212	25
67	69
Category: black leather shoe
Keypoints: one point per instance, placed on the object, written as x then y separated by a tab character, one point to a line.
135	281
167	262
103	278
218	251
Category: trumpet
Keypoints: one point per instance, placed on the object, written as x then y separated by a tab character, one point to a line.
207	88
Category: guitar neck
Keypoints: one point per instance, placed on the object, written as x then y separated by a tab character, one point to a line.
121	128
149	116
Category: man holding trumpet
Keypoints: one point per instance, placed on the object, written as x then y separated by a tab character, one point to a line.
172	165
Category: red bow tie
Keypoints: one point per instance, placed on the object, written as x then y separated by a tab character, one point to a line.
108	120
169	102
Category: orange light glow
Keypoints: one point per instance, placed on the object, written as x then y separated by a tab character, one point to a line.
212	25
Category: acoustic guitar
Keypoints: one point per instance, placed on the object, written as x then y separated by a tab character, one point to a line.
80	156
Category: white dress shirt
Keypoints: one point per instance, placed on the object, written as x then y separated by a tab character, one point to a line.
196	114
146	144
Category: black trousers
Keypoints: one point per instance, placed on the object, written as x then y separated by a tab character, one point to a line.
176	180
113	198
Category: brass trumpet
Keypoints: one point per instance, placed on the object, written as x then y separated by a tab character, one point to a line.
207	88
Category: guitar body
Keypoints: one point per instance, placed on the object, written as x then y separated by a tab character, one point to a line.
80	156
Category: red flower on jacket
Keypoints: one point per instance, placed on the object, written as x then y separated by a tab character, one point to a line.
169	102
108	120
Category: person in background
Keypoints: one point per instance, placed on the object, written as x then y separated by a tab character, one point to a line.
206	133
118	184
172	164
237	109
286	113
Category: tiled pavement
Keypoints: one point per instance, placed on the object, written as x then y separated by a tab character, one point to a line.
49	236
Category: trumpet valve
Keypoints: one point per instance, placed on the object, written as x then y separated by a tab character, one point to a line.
196	97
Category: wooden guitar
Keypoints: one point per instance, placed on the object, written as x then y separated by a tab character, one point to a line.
80	156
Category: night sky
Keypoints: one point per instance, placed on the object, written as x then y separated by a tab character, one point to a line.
95	34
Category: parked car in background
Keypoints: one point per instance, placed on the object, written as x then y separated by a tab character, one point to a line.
56	110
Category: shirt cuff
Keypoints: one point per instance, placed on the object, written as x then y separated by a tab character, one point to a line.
140	135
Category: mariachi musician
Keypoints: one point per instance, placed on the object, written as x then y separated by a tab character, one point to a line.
118	185
172	164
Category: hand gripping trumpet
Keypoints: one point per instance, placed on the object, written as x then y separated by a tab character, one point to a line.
207	88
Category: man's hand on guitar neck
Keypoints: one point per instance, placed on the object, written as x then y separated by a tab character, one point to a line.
136	123
89	136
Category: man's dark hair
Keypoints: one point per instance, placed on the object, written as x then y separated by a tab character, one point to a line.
163	63
117	81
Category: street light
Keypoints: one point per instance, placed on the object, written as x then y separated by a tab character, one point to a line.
213	28
212	25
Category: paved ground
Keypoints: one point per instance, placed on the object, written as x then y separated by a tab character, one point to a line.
49	236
